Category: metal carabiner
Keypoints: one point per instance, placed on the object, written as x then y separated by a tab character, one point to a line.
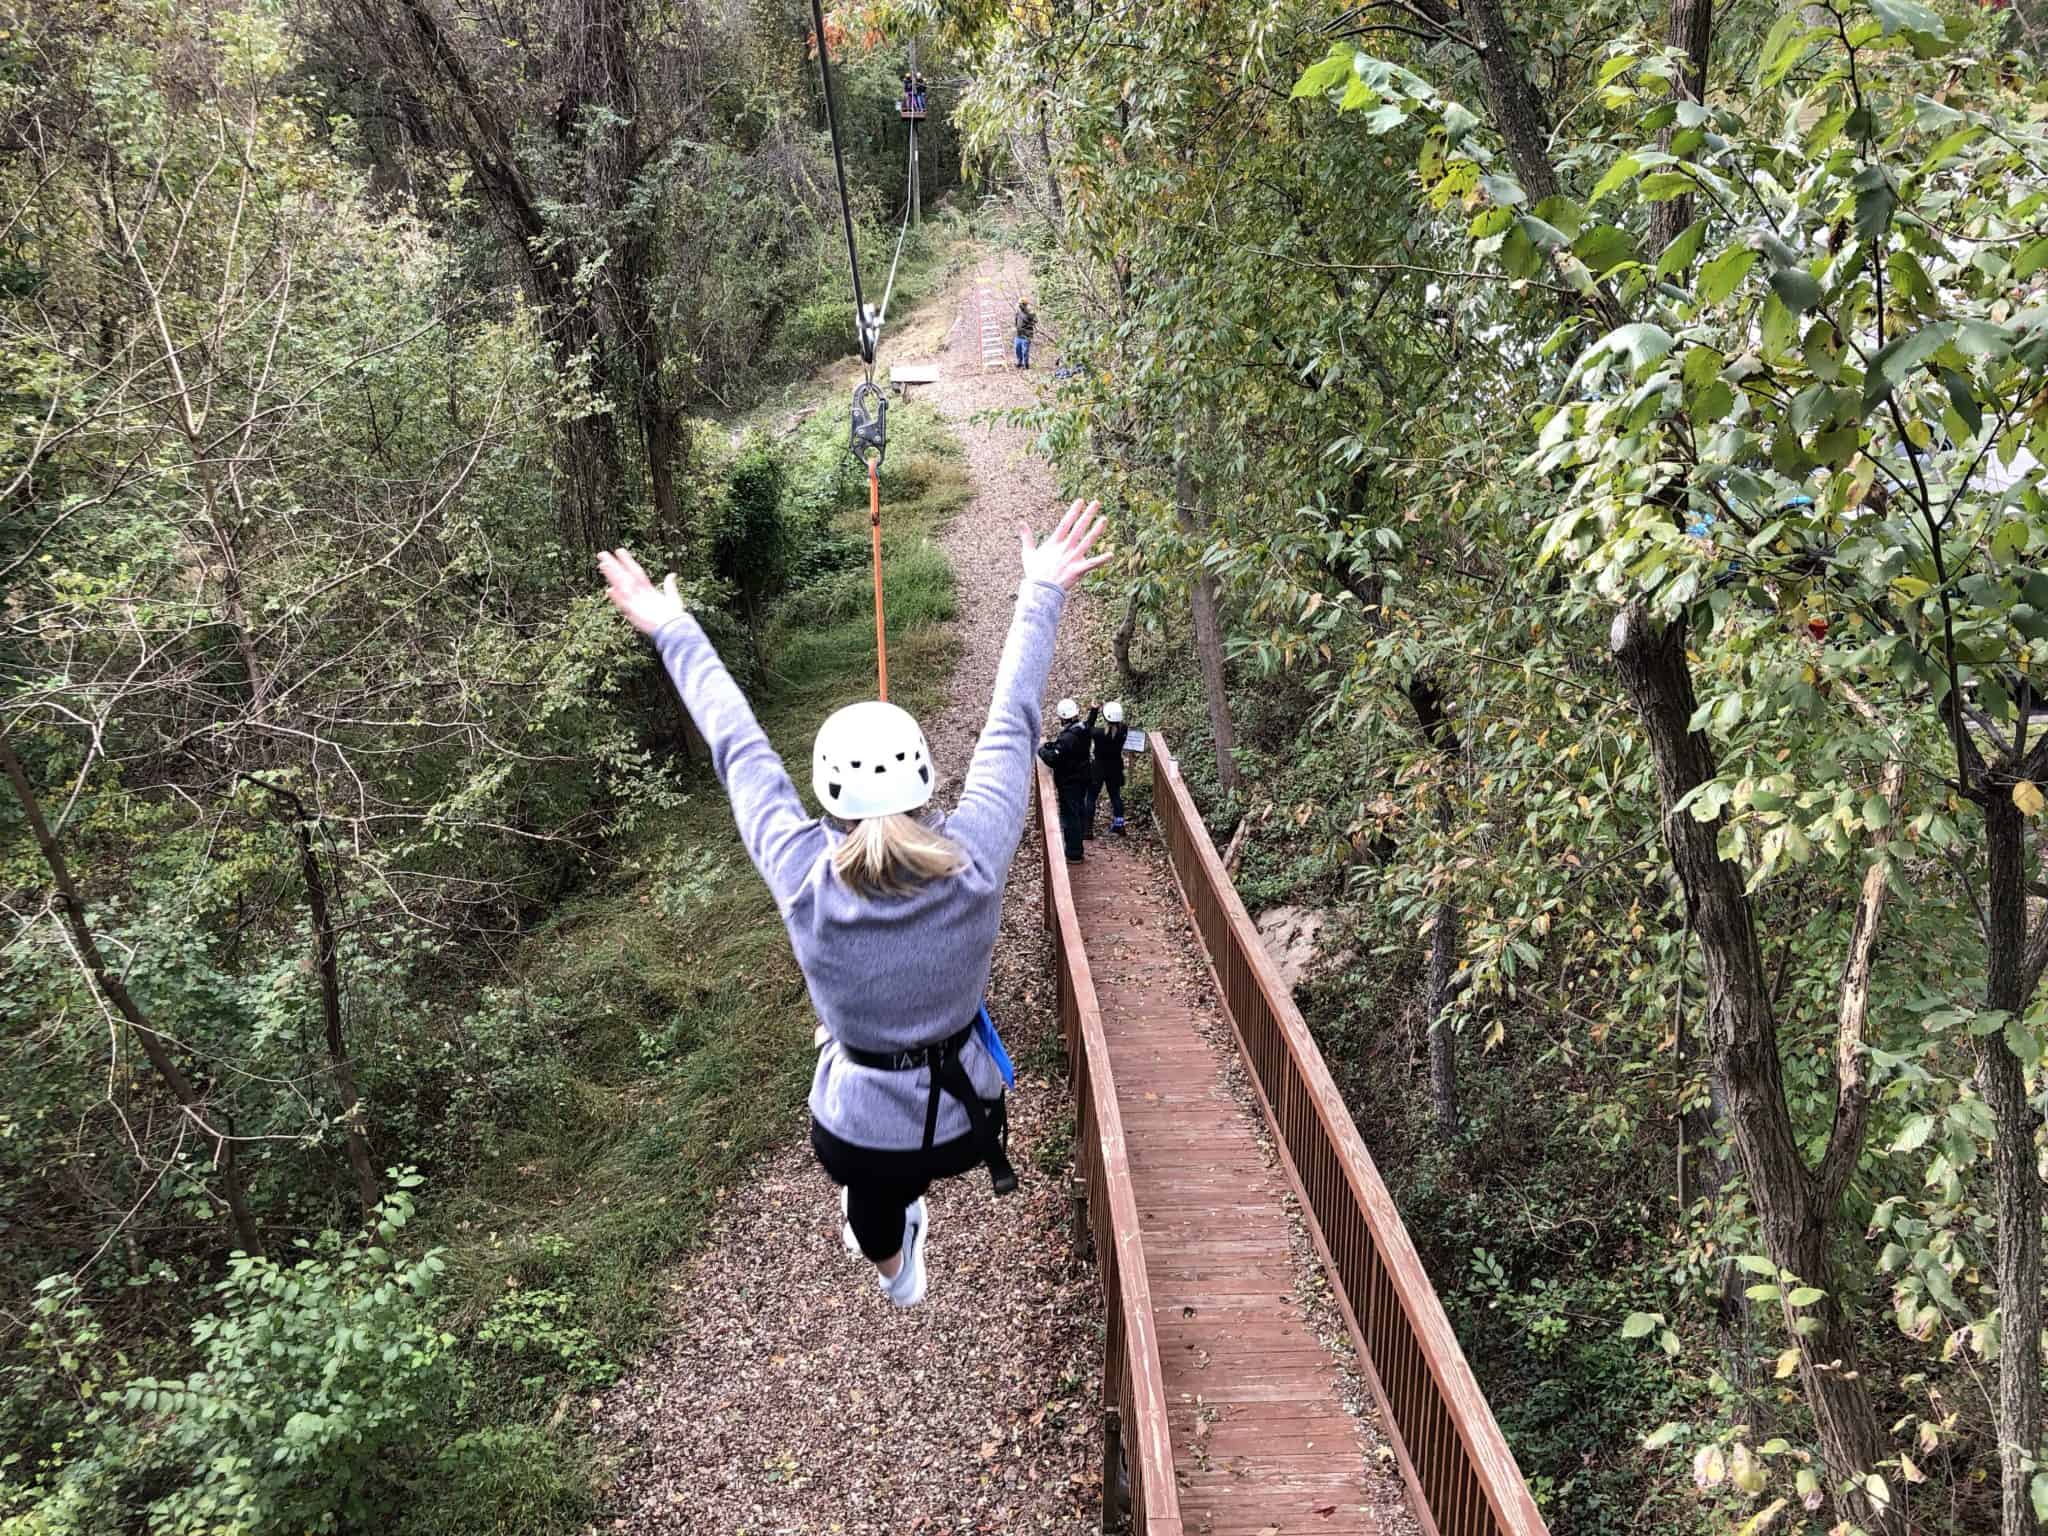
870	429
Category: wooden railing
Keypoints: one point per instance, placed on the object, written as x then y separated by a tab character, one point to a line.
1458	1467
1134	1398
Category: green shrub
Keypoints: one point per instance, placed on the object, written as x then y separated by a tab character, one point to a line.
536	1326
313	1374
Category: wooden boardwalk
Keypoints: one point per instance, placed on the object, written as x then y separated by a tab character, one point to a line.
1262	1442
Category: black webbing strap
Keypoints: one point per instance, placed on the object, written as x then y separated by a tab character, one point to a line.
949	1073
986	1121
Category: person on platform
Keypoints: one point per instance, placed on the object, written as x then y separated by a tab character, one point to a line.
1067	755
1106	766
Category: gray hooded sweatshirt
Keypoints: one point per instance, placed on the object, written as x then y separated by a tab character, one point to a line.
885	973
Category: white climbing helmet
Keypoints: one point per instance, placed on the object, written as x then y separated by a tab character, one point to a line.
1067	709
1113	711
870	759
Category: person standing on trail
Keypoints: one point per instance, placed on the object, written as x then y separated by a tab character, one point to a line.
891	907
1027	322
1106	765
1067	756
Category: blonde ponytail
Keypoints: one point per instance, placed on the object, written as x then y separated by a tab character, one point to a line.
888	855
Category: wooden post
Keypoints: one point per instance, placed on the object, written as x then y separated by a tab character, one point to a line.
1077	1210
1116	1496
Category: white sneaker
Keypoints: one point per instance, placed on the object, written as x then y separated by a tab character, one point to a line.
907	1289
846	1228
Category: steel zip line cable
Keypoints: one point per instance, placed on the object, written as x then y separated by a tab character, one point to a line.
860	313
889	287
870	405
869	336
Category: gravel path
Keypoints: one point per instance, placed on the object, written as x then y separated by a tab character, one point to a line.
788	1396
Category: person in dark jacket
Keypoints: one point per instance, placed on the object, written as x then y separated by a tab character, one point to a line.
1106	766
1027	323
1067	755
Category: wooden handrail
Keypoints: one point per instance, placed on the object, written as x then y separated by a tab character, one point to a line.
1134	1396
1457	1463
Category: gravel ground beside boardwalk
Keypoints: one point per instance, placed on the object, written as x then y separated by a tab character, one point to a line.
788	1396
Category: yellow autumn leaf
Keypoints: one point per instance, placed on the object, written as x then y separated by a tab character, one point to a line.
1788	1362
2027	796
1761	1520
1709	1466
1744	1470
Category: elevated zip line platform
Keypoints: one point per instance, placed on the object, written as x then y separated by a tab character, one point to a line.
1224	1409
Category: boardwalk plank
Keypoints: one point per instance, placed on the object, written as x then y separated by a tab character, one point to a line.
1261	1435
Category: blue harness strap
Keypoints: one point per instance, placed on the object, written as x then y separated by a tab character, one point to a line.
985	1028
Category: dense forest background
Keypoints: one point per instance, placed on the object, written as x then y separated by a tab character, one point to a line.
1579	477
1581	468
353	853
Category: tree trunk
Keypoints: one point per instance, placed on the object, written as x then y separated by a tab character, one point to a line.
1517	109
1443	1040
2003	1082
115	992
1052	186
327	961
1742	1044
1120	643
1704	1177
663	427
444	96
1445	929
1690	29
1208	637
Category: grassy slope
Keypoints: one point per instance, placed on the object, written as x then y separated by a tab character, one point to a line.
675	1041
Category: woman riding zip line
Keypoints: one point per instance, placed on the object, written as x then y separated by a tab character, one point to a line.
891	907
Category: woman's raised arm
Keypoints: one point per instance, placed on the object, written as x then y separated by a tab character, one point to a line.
990	816
782	841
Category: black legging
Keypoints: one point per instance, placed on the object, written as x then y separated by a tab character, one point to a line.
1094	798
881	1184
1074	807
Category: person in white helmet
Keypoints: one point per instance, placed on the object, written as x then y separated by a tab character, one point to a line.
891	906
1067	756
1106	765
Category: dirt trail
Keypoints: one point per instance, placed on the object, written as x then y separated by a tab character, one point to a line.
788	1396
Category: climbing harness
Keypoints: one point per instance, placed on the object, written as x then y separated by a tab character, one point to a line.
868	431
987	1119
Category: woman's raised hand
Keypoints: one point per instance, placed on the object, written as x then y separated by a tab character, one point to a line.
1063	558
646	606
